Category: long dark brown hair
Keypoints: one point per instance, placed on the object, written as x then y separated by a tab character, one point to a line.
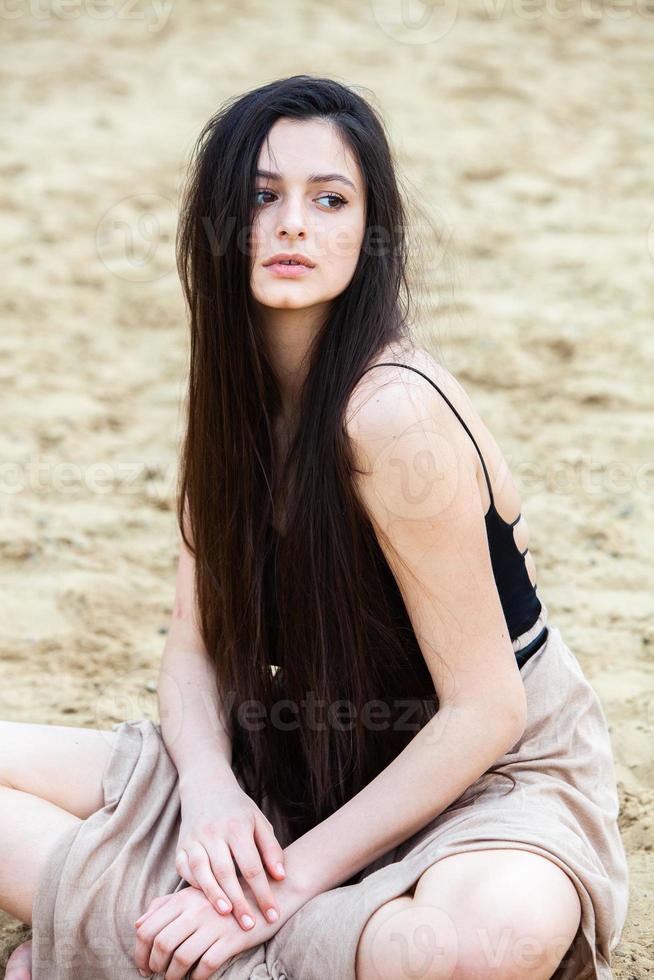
352	687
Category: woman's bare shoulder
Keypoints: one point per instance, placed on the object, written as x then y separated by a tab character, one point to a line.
412	356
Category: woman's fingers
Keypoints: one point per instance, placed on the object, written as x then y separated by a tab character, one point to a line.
223	871
183	868
156	920
175	948
189	955
200	869
248	860
154	904
217	897
270	849
211	960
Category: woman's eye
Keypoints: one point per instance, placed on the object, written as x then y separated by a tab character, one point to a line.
261	192
335	197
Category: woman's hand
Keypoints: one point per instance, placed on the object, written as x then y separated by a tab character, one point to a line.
182	931
221	825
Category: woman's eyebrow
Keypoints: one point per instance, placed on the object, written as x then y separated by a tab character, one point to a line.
311	179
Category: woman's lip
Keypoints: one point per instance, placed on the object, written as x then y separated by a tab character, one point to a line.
288	271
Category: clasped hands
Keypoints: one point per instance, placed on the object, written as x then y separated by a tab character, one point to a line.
201	926
183	931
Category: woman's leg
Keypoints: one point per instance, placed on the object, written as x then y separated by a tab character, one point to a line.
29	829
503	912
58	763
50	779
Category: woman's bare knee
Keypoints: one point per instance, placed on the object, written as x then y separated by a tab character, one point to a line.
58	763
379	955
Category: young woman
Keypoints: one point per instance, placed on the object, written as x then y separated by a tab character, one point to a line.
359	682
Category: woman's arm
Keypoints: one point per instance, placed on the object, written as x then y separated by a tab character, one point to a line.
192	726
421	493
448	754
192	714
209	850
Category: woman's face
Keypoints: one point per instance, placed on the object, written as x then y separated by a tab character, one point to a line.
309	199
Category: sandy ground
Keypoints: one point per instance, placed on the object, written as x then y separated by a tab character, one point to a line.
524	131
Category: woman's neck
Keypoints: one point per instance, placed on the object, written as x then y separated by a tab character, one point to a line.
290	335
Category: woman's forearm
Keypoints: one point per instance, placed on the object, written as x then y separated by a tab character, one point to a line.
446	756
191	713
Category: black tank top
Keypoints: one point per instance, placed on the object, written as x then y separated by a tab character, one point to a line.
520	604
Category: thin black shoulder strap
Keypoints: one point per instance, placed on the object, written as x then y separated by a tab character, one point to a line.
427	378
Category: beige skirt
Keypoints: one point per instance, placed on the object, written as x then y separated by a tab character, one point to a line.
105	871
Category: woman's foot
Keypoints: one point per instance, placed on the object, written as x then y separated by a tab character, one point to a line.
19	964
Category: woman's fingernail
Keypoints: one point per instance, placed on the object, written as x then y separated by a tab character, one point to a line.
272	915
280	869
144	974
222	905
247	921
